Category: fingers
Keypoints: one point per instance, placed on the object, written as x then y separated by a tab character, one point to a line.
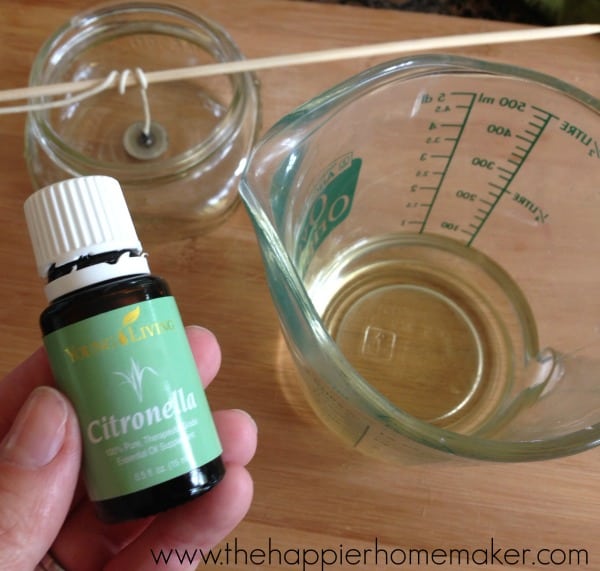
86	544
39	465
238	434
206	351
18	384
35	371
192	529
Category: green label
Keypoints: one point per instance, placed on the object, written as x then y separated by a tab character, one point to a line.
335	187
132	379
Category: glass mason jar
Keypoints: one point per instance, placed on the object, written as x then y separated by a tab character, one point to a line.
181	177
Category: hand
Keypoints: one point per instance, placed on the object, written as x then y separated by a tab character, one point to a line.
43	506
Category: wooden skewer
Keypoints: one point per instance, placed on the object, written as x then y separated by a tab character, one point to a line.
239	66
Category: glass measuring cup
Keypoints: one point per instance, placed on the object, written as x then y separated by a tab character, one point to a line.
430	234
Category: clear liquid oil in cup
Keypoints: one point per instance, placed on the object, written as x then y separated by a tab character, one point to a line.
182	176
429	231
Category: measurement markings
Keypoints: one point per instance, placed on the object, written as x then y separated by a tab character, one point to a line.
540	118
461	127
544	117
362	435
533	124
504	170
530	141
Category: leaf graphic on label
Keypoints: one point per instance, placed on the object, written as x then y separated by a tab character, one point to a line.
135	377
122	338
131	316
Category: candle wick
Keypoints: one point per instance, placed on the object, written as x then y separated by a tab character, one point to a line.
143	83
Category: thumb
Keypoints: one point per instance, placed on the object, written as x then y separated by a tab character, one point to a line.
39	466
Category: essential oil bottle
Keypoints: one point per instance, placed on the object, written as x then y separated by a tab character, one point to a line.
119	351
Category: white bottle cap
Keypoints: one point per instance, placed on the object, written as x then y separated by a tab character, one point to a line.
82	217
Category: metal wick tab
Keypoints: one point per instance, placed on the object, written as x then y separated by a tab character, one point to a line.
145	145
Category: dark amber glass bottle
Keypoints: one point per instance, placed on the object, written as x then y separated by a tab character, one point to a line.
118	349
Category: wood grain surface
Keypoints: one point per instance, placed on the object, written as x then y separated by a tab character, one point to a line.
310	491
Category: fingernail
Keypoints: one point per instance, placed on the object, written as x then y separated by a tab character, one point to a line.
38	432
248	416
201	329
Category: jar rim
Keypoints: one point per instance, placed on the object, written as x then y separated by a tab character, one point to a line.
92	24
